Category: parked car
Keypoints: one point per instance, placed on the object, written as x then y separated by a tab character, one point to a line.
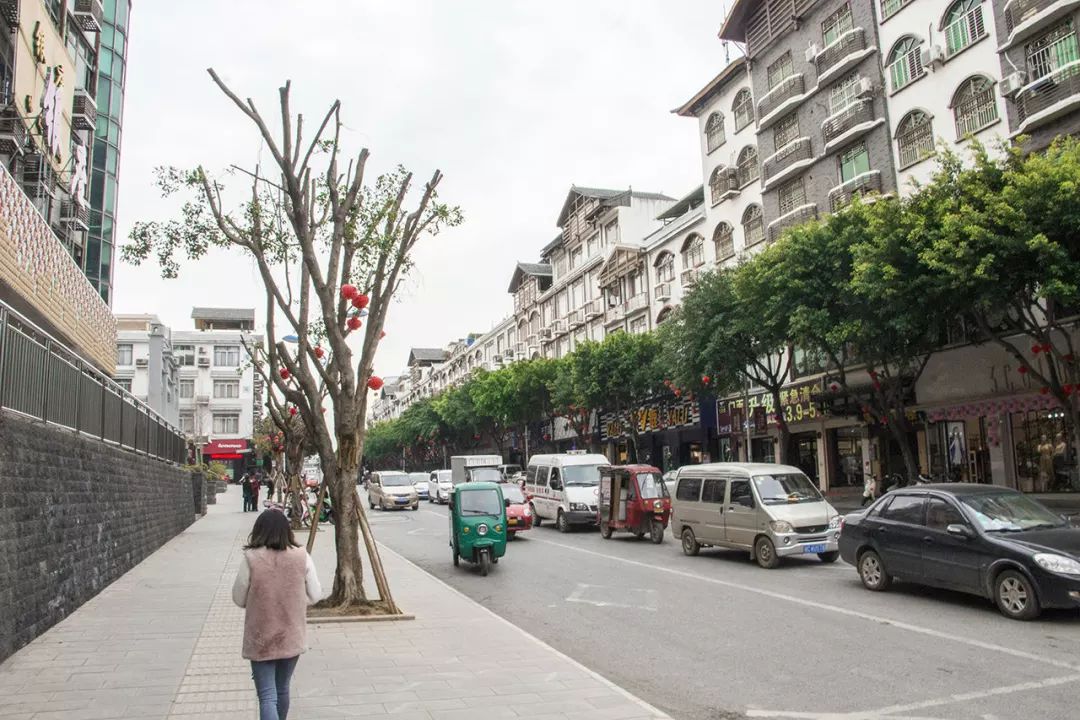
519	515
669	482
564	487
439	486
509	471
772	511
420	482
980	539
392	489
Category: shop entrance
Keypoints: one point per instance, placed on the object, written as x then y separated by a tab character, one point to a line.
847	457
763	450
958	451
806	455
1045	456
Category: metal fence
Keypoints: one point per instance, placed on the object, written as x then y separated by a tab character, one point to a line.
41	378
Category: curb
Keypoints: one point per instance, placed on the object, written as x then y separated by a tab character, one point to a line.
360	619
656	713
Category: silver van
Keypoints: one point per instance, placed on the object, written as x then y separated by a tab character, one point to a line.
773	511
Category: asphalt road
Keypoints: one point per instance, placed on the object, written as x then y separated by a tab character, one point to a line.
715	637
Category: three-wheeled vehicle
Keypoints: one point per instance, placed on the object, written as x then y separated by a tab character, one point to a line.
633	498
478	523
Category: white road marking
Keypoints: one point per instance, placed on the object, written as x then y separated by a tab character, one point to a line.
827	607
432	512
602	596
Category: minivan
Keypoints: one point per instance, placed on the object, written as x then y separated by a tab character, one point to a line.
773	511
564	487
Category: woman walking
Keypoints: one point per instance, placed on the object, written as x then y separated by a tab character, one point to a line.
275	584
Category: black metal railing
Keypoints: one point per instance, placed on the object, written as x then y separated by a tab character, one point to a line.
786	89
1018	11
1048	91
43	379
795	151
857	113
850	42
860	185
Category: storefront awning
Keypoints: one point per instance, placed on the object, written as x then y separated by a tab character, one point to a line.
226	447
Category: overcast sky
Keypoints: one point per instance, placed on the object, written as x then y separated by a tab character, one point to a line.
514	100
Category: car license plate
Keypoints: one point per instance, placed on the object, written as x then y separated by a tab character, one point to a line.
511	521
820	548
402	501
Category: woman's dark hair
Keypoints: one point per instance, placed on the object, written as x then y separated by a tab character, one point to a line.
272	531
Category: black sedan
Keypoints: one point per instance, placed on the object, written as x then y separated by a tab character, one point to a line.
979	539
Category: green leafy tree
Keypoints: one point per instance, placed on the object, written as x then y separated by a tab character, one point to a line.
568	399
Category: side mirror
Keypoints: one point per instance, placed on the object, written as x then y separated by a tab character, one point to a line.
507	501
959	530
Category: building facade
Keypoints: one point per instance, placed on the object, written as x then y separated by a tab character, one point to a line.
145	364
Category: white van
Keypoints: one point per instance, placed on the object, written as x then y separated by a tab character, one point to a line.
564	488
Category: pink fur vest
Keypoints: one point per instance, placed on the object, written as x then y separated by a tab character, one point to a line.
275	624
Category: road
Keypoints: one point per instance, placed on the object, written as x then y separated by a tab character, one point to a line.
715	637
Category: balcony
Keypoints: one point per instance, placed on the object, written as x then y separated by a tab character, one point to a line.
75	214
791	219
532	341
545	334
850	123
787	160
780	98
842	195
12	133
724	185
594	309
663	292
88	15
84	111
576	318
519	350
690	277
1023	18
558	328
1048	98
616	310
637	302
9	11
840	55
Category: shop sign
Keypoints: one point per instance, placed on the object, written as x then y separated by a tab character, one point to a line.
795	402
654	417
225	447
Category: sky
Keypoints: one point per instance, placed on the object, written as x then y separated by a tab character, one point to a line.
513	100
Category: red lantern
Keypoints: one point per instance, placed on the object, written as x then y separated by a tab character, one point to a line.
705	380
872	373
1022	370
547	437
348	291
677	392
1047	347
476	437
382	334
284	373
292	411
1067	389
375	382
835	387
324	409
361	301
354	323
319	352
1035	349
1044	390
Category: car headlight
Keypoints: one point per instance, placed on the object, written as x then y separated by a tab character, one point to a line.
481	529
1057	564
579	507
781	526
527	512
834	521
658	505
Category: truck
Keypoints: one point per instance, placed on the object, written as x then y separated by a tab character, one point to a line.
475	468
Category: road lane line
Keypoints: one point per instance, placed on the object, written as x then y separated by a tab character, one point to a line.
930	632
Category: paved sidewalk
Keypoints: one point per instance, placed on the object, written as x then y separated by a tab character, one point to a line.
163	642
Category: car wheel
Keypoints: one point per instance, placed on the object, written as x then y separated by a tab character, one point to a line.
605	531
371	505
485	563
656	532
765	553
561	524
829	557
690	544
416	505
872	572
1015	596
511	535
537	520
453	550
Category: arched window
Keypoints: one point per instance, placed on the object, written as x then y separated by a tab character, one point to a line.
905	62
974	105
693	251
963	25
914	138
663	315
724	240
752	225
714	131
665	267
743	107
748	170
716	184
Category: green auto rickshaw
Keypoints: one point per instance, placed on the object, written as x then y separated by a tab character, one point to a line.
478	523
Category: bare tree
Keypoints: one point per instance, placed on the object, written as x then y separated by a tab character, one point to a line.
330	250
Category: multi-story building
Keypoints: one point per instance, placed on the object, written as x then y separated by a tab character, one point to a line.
112	53
145	364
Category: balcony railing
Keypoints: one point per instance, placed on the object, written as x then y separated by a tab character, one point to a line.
595	308
75	214
663	291
88	14
12	133
789	87
690	277
851	42
857	113
1030	15
1048	92
558	328
795	151
576	318
637	302
842	195
796	217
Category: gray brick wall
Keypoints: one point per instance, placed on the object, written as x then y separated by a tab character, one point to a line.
75	514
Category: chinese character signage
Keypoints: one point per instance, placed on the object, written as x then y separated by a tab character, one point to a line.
654	417
795	403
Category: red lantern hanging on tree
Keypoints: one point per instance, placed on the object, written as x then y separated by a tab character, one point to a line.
1035	349
705	379
292	411
361	301
354	323
375	382
284	373
382	334
319	352
348	291
1047	347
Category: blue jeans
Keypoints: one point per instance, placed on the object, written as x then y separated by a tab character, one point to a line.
272	686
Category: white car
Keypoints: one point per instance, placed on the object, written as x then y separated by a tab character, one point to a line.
439	486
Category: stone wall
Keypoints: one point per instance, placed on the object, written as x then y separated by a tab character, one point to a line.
75	514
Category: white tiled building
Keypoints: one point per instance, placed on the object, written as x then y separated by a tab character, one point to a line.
146	365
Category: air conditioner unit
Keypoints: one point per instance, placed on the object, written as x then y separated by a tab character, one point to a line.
865	88
1012	83
613	300
141	362
204	362
812	52
932	55
202	351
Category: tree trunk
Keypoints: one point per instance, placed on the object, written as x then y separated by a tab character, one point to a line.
900	432
349	572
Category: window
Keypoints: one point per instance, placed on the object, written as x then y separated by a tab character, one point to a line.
753	227
712	491
714	131
592	245
748	170
226	424
553	479
743	108
914	138
786	130
611	232
791	194
941	514
891	7
974	106
854	162
1052	51
124	383
724	240
780	70
575	257
226	389
665	267
741	494
836	25
639	325
905	62
688	489
905	509
227	355
185	355
693	251
663	315
187	389
124	354
717	184
963	25
843	93
187	423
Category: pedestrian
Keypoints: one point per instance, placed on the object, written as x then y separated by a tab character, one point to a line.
245	486
275	584
255	484
868	489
